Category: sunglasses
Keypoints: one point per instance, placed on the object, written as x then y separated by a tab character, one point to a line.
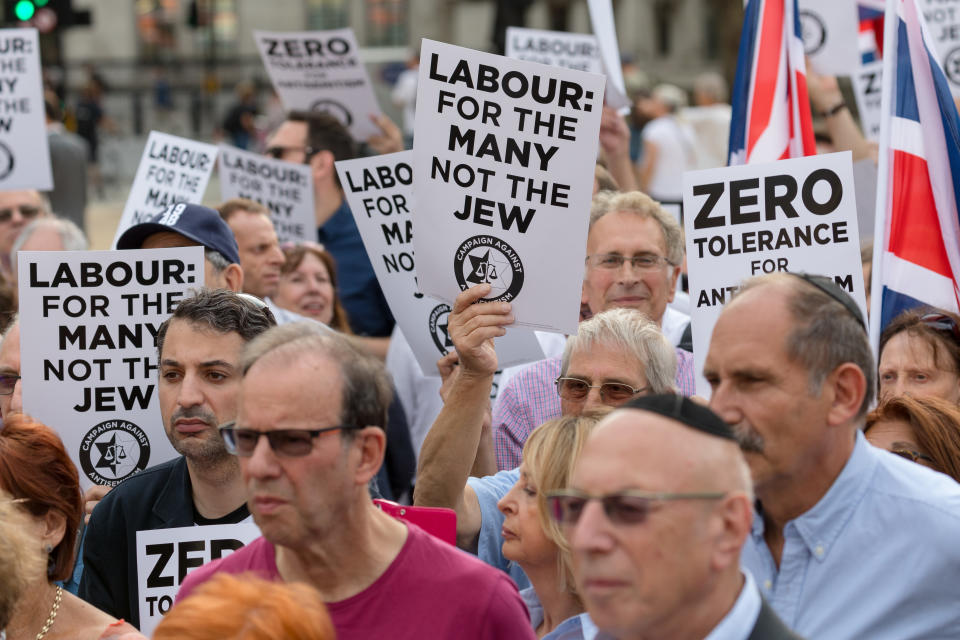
288	443
8	383
942	323
621	508
611	392
27	212
278	151
913	456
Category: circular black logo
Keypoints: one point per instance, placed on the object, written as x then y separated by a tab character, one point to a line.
335	109
439	318
114	450
6	161
951	65
487	259
813	30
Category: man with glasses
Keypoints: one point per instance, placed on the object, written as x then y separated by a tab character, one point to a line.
849	541
634	251
615	355
199	350
17	209
920	355
658	507
11	398
319	140
306	455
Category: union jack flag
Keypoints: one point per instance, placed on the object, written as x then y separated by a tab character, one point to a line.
917	244
871	29
771	110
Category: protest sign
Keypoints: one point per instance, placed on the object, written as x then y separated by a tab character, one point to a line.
171	170
503	168
867	91
321	71
830	36
604	28
379	190
88	356
795	215
24	153
943	24
166	556
284	188
579	51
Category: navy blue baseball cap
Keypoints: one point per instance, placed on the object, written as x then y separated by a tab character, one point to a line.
198	223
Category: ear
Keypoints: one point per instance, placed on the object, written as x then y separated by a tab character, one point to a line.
233	277
672	280
845	388
733	519
370	444
54	528
322	165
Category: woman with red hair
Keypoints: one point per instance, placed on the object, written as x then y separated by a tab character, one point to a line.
36	472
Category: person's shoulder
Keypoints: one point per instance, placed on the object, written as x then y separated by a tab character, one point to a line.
916	488
252	557
451	565
147	481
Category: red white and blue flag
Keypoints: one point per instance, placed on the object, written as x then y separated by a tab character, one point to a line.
871	29
771	117
917	248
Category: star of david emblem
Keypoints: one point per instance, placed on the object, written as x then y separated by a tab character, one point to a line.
481	270
447	342
111	454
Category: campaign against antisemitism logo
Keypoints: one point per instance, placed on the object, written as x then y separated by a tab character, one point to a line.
489	260
439	328
114	450
335	109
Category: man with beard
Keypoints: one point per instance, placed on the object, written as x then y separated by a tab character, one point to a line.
199	350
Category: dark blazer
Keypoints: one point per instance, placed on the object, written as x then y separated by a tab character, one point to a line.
769	626
157	498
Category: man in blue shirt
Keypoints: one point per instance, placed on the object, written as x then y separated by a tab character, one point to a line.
849	541
319	140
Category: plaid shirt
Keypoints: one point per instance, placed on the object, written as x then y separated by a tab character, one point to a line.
530	398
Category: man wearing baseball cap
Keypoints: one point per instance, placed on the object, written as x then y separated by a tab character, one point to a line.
192	225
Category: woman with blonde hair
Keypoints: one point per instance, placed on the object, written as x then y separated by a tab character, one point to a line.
533	540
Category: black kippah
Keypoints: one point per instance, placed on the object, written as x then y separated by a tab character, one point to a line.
683	410
832	289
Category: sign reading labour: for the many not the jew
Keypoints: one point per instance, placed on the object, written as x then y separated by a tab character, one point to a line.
503	177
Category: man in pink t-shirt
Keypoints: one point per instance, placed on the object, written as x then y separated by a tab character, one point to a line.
321	405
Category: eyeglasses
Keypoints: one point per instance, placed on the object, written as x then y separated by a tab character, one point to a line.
577	389
278	151
910	454
8	382
613	261
289	443
27	212
939	322
621	508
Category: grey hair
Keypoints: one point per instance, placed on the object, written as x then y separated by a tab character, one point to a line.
70	234
644	206
824	336
221	311
630	332
367	389
216	259
711	84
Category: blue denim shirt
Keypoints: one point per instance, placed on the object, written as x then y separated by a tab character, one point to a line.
877	557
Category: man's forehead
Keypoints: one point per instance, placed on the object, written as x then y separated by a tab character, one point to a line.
167	240
194	337
633	449
290	132
628	232
10	348
608	360
27	196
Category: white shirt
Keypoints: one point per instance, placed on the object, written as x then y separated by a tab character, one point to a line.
674	143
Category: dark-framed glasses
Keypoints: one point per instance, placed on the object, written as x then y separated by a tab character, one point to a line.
577	389
913	456
621	508
289	443
278	151
8	382
27	212
942	323
640	262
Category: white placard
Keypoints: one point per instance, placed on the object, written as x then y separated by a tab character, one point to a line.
321	71
166	556
88	355
24	153
379	191
172	169
795	215
943	24
867	89
604	28
579	51
284	188
504	180
830	31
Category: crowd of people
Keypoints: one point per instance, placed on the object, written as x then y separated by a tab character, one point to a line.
814	495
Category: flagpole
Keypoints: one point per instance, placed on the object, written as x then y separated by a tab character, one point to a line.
891	22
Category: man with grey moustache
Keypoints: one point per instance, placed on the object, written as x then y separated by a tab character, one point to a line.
199	377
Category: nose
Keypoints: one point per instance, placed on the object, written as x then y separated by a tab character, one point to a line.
189	394
262	463
591	533
508	504
627	272
277	257
722	404
16	398
593	400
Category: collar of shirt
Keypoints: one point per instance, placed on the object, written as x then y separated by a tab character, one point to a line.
821	526
570	629
739	622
